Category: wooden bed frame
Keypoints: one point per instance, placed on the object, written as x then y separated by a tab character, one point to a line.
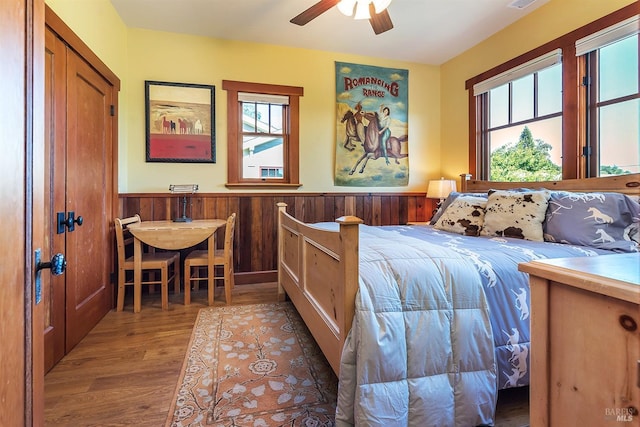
318	268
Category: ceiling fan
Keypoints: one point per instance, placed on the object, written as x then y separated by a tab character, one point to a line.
373	10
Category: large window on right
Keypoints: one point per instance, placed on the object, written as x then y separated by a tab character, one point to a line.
567	109
612	99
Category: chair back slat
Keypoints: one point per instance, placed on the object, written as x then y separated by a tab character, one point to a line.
228	237
123	242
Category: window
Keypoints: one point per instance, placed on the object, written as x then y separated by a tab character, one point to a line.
262	134
612	99
521	121
578	115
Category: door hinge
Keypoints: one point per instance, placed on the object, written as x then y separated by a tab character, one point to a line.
586	151
112	110
586	81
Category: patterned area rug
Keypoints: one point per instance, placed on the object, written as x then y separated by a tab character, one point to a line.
253	365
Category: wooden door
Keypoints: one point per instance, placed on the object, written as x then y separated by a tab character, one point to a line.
55	183
21	369
79	176
88	195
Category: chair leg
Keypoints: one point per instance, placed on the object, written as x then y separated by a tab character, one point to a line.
187	283
164	277
121	278
227	284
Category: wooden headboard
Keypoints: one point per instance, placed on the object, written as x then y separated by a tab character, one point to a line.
626	184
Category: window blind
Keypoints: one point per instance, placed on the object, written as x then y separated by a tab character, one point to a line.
263	98
530	67
607	36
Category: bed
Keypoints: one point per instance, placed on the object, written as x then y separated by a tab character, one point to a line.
422	324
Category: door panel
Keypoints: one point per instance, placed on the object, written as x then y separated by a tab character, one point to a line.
54	179
21	372
78	178
89	127
14	366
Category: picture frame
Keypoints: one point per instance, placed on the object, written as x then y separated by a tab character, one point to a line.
180	122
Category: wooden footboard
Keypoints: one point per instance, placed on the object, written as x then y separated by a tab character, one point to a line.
318	270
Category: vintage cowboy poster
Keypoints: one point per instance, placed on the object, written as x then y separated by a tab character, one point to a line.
371	126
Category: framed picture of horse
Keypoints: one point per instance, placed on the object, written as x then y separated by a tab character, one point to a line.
371	126
180	122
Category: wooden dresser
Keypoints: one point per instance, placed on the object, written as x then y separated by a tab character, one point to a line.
585	341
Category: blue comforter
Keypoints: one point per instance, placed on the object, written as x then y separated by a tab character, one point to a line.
506	288
408	359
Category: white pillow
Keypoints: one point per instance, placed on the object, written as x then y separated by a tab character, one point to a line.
465	215
515	214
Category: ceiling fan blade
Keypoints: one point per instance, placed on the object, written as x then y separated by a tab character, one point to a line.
314	11
380	22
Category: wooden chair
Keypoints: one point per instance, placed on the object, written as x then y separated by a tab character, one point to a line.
151	263
197	260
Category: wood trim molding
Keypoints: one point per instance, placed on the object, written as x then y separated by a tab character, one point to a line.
261	194
59	27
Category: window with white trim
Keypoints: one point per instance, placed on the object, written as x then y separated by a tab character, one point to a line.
263	134
521	121
597	85
611	94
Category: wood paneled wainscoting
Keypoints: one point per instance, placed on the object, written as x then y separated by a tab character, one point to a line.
256	253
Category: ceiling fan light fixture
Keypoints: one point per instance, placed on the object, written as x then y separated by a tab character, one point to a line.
375	11
346	7
362	9
381	5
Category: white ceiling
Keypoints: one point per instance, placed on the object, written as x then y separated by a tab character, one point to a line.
425	31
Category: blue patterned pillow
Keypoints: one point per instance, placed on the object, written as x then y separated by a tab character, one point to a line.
601	220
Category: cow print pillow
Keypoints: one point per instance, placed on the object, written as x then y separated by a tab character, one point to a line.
465	215
514	214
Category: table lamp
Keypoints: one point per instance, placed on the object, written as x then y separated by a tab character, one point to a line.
440	189
183	189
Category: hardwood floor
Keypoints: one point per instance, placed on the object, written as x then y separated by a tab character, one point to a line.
125	371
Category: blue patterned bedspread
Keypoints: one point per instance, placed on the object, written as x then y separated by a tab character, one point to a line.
506	288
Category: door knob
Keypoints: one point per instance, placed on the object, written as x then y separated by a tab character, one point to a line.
58	264
69	222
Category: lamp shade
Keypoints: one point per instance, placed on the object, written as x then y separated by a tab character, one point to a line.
440	189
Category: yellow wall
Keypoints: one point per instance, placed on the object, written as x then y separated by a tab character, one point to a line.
153	55
182	58
550	21
438	119
98	24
